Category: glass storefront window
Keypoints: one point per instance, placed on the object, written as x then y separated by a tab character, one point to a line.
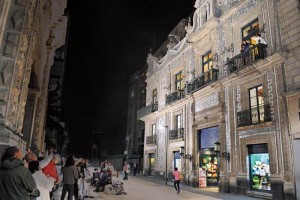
260	171
209	164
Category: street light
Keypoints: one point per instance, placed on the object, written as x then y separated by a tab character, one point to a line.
225	154
184	155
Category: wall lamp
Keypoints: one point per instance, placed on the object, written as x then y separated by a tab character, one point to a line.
225	154
183	155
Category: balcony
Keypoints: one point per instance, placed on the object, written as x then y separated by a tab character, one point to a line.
203	80
176	134
175	96
151	139
248	57
147	110
251	117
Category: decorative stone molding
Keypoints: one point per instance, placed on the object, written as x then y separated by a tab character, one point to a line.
227	122
257	131
238	99
207	102
270	93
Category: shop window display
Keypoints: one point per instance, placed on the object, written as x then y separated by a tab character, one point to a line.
209	164
260	171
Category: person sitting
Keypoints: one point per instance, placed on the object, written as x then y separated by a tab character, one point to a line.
104	180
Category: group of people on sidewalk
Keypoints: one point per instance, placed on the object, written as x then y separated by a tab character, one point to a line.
36	178
29	177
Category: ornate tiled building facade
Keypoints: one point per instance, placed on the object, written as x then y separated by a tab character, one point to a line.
30	32
230	110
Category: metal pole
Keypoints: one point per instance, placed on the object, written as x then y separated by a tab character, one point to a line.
166	156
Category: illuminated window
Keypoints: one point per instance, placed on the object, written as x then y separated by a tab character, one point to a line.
154	96
257	104
179	81
250	30
207	63
153	129
178	122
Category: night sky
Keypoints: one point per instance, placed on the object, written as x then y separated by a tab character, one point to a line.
108	41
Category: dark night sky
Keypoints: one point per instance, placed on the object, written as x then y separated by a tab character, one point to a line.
108	41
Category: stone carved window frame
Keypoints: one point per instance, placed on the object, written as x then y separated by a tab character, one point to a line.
245	96
243	155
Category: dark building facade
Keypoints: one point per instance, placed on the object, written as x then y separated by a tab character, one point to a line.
135	127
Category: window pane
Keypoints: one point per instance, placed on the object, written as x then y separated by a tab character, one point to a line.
254	115
253	93
260	91
205	68
253	102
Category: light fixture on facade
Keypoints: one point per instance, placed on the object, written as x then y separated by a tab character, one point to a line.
183	155
225	154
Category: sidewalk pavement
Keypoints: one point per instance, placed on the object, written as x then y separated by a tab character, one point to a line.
209	191
138	182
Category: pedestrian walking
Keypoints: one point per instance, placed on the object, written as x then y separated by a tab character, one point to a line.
176	175
16	181
125	171
134	168
70	177
44	183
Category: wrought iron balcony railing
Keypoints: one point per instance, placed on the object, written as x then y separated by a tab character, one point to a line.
147	110
175	96
151	139
176	134
203	80
247	57
257	115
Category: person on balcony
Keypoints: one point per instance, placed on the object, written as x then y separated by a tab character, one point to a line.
259	39
245	52
261	46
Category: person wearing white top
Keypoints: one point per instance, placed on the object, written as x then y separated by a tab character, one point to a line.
44	183
259	39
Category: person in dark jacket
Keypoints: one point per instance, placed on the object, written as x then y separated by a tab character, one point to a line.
70	176
16	181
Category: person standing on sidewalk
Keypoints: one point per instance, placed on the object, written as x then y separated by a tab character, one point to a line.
134	168
44	183
70	176
125	171
16	181
176	175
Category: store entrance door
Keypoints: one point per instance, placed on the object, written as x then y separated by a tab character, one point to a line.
209	165
151	164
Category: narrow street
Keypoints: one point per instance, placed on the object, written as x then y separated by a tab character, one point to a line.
148	188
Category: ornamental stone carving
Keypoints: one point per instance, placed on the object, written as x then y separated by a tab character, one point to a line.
255	132
207	102
6	69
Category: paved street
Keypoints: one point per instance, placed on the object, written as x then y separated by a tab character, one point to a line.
147	188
